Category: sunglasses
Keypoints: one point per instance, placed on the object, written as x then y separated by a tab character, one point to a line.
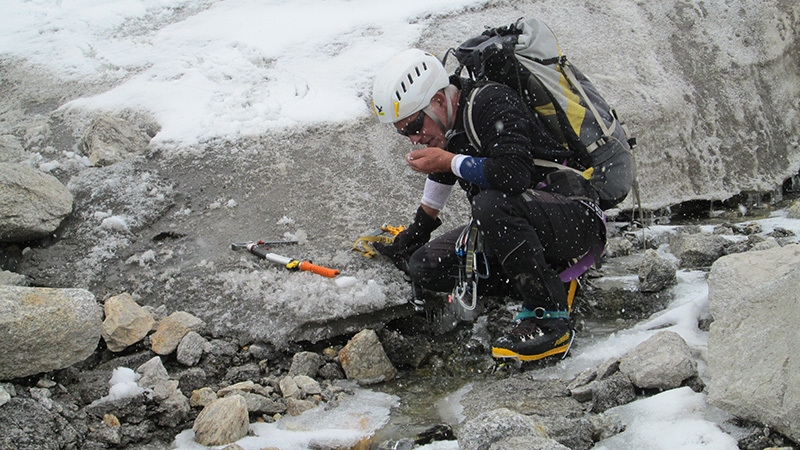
413	127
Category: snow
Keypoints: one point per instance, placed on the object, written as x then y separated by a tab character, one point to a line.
122	385
219	68
233	68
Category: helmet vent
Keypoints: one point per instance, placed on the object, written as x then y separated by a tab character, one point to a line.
410	80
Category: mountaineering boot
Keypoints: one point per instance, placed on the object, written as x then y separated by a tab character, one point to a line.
533	339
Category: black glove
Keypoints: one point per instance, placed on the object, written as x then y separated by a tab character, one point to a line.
409	240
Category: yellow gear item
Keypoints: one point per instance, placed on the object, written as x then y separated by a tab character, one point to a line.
363	243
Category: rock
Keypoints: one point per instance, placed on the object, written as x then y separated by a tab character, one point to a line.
306	363
496	426
661	362
307	385
289	388
656	273
126	322
155	377
109	140
295	406
172	329
223	421
794	211
614	390
5	396
11	150
522	394
364	360
202	397
13	279
45	329
32	203
753	365
26	424
258	404
244	386
618	246
696	250
191	348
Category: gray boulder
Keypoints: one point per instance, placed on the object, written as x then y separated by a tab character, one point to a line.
662	362
753	365
656	273
46	329
32	203
504	429
697	249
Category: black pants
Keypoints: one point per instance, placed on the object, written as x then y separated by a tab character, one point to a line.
528	238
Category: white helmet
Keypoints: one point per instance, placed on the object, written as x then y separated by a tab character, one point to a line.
406	85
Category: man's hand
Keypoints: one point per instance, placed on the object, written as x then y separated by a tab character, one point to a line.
430	160
410	239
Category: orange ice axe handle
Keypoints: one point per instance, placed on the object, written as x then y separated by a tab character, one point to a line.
301	265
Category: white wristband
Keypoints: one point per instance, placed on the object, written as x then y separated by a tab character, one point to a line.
455	164
435	194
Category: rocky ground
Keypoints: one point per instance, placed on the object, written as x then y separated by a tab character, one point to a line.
70	408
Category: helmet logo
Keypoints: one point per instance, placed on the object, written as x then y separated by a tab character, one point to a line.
378	109
397	109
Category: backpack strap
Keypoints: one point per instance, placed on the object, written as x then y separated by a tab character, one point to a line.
469	125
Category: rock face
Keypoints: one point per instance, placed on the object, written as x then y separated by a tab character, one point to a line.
752	344
32	203
46	329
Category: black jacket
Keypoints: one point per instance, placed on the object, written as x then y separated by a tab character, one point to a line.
511	137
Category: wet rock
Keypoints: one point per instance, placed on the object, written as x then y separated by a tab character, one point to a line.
661	362
656	273
223	421
752	359
172	329
523	394
496	426
126	322
405	351
614	390
32	203
45	329
618	246
696	250
364	360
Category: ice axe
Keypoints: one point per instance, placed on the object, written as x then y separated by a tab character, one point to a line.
259	248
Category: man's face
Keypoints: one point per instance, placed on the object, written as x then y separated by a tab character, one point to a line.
421	129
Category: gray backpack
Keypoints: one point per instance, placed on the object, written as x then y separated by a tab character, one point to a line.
526	56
